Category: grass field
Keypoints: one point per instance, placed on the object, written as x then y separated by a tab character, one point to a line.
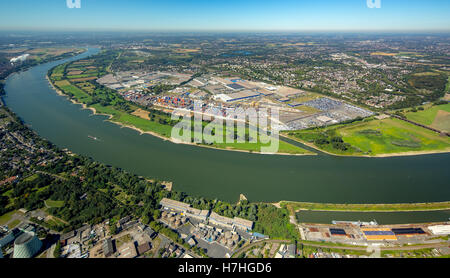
133	120
54	204
294	206
73	91
395	136
284	147
377	137
5	218
437	116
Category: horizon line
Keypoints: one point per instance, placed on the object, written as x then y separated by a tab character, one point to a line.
231	30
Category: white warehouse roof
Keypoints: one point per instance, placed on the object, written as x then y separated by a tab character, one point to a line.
440	229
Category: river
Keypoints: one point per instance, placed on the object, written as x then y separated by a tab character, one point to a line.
222	174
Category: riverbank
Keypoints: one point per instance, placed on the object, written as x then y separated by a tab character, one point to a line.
405	207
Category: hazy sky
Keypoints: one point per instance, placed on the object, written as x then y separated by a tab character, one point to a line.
226	15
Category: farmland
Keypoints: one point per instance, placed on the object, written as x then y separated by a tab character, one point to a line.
436	116
374	138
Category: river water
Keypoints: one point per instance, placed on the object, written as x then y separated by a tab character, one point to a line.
222	174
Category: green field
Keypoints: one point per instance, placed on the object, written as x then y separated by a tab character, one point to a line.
433	116
447	87
375	138
5	218
13	224
395	136
73	91
54	204
294	206
284	147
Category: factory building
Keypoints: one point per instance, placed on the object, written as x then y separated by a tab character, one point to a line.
27	246
204	215
243	224
237	222
108	247
242	95
185	209
440	229
220	220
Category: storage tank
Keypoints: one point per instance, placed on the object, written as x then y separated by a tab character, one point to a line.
27	245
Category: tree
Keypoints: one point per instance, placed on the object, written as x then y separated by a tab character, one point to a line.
57	251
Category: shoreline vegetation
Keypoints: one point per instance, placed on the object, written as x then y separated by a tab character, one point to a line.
293	206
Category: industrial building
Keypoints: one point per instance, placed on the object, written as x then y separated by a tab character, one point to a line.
408	231
242	95
184	208
220	220
204	215
27	246
237	222
440	229
243	224
379	234
108	247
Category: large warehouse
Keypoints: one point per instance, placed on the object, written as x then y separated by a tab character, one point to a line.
440	229
245	94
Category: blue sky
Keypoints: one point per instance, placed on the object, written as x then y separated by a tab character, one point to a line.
226	15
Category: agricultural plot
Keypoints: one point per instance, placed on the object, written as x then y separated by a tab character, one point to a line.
73	91
437	116
374	138
390	136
